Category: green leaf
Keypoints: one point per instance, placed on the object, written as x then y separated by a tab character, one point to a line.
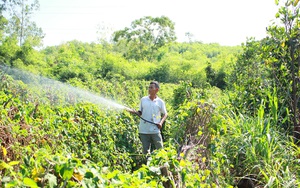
11	184
30	182
52	180
4	151
276	2
141	175
89	175
6	179
112	174
87	183
4	165
66	172
155	169
14	163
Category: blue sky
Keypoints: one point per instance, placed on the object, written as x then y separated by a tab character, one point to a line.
227	22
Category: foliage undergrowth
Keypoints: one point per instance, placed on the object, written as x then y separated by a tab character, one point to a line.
254	148
48	144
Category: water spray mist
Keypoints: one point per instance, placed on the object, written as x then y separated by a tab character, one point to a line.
52	86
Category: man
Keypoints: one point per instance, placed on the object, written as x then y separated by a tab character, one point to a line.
153	113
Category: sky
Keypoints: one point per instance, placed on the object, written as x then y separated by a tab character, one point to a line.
227	22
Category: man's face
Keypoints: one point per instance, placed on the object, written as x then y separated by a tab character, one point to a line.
152	89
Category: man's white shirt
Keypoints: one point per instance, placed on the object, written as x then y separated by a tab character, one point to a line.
151	111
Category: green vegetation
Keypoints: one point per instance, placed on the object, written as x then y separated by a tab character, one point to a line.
233	111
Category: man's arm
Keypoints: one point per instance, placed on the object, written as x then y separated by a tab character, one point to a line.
159	125
139	113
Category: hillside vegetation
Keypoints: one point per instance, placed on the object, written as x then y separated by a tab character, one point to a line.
232	111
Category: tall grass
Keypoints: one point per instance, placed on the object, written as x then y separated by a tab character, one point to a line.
254	148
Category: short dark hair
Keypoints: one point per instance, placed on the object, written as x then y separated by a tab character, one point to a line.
155	83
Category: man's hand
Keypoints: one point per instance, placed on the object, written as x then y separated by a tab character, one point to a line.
132	111
159	125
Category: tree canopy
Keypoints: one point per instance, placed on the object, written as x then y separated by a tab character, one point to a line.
145	36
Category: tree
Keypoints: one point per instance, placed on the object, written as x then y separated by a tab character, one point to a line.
3	6
3	20
20	25
215	78
282	49
273	62
210	74
250	79
145	36
190	36
160	73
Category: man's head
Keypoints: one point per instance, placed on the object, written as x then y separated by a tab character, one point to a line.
155	83
153	88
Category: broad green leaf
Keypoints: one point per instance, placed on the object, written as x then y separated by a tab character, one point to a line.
89	175
182	163
52	180
12	184
30	182
4	165
113	174
67	172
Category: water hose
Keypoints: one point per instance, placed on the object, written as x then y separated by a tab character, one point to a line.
134	112
147	120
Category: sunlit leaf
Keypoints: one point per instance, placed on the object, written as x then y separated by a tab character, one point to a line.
4	151
78	176
4	165
207	172
164	179
37	171
12	163
12	184
181	154
182	163
30	183
154	169
200	133
6	179
112	174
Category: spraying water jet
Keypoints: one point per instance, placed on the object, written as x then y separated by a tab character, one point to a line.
49	86
77	94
